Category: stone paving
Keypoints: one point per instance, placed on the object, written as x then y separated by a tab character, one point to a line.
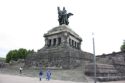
4	78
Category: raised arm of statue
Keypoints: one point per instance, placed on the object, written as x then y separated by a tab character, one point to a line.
58	8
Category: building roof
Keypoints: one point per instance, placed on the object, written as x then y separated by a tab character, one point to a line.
62	28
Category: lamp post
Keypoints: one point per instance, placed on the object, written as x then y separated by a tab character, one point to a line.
94	57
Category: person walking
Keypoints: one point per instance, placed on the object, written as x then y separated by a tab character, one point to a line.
40	75
21	69
48	74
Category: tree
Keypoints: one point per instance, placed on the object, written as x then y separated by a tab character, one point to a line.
18	54
123	47
8	57
22	53
14	55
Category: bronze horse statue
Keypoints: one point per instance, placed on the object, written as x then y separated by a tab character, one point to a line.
63	16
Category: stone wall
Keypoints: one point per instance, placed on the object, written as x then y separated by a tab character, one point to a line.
117	59
109	67
61	56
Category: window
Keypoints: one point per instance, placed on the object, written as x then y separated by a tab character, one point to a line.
49	42
54	41
75	44
59	41
70	42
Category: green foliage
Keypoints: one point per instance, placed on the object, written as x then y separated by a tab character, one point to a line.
123	47
17	54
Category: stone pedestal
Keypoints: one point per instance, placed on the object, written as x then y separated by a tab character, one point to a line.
62	49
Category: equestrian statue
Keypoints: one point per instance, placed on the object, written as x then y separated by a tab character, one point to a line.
63	16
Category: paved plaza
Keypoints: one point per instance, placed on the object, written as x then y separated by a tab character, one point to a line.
4	78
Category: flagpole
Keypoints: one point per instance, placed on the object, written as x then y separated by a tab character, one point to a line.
94	57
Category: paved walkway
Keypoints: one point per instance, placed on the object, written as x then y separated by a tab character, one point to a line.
22	79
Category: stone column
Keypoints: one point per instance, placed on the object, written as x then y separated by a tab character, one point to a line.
46	41
57	41
79	45
75	44
69	42
52	42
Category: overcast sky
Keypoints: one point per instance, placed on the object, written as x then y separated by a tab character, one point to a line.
24	22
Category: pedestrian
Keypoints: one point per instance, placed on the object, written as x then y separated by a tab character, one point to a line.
48	74
21	69
40	75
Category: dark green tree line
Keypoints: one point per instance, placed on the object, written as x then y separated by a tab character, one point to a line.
123	47
17	54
